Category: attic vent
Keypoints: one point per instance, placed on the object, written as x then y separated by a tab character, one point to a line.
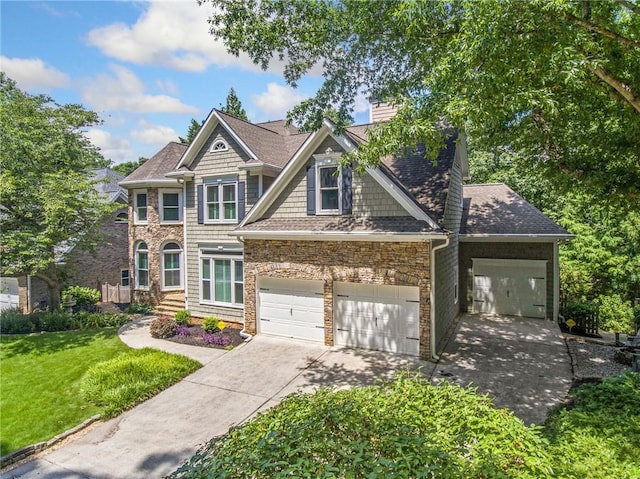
219	145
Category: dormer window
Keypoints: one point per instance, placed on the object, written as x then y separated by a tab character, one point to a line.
219	145
329	184
328	179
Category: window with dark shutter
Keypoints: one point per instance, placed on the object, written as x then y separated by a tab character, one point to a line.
311	190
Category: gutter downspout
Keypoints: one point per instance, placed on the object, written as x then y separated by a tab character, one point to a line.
243	334
432	297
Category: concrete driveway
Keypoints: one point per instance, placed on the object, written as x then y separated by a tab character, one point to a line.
154	438
522	363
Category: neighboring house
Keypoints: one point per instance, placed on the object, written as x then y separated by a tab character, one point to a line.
156	232
280	237
107	263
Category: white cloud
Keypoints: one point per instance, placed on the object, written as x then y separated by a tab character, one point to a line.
277	100
111	147
126	92
33	73
156	135
174	34
168	86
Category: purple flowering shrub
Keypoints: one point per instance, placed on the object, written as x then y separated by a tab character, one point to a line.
183	331
218	339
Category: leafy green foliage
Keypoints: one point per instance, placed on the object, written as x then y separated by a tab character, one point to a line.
163	328
128	167
47	195
233	106
139	308
182	317
615	315
40	394
132	377
598	435
194	128
407	428
89	320
213	324
14	322
82	295
557	81
582	313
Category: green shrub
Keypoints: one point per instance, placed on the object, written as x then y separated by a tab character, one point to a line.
139	308
82	295
12	321
406	428
636	316
132	377
183	317
56	321
213	324
598	435
615	314
88	320
583	313
163	328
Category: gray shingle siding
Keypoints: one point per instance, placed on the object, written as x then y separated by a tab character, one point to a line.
446	282
469	250
453	206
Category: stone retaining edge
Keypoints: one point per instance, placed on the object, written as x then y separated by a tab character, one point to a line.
28	451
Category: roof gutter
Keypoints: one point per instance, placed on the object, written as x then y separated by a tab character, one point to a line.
340	236
480	237
432	297
149	183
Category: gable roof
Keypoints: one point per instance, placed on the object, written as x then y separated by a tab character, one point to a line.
107	184
497	210
270	143
155	168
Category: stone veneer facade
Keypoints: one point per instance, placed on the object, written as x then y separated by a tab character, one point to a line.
156	235
400	264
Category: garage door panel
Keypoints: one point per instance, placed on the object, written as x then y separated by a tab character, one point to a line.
388	321
9	296
512	287
291	308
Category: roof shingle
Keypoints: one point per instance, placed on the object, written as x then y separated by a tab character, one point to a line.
316	224
156	167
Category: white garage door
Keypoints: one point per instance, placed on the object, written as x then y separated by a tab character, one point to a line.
9	293
511	287
386	318
293	308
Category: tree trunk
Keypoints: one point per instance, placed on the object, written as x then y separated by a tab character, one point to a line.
53	288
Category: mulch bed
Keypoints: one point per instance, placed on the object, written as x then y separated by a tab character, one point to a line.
195	338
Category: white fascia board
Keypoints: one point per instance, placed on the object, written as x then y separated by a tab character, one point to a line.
180	174
196	145
150	183
400	196
282	180
339	236
513	238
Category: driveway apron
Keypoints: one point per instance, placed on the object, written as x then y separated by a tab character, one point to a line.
521	363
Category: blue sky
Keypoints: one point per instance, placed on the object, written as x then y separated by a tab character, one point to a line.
146	67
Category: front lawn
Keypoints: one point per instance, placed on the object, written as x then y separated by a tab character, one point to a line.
51	382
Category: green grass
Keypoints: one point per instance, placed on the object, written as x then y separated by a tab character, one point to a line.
122	382
40	382
43	378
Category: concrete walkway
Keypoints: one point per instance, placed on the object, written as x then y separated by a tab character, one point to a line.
154	438
522	363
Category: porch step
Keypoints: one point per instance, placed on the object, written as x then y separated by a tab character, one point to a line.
170	304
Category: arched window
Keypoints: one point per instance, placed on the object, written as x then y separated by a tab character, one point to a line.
171	266
219	145
122	217
142	265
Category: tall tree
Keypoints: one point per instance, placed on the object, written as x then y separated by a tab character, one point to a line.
47	198
556	80
233	106
194	128
128	167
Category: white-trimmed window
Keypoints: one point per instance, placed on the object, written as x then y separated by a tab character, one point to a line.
142	265
124	277
222	280
328	186
221	202
219	145
170	206
171	266
140	202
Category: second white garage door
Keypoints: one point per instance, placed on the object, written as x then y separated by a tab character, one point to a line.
371	316
293	308
511	287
